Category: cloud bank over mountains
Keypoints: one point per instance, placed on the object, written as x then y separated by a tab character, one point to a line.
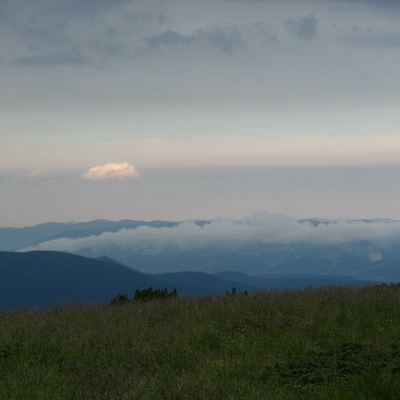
226	234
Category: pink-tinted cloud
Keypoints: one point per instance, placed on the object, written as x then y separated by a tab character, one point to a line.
112	171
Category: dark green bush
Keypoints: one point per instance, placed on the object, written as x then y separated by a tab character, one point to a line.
145	295
120	299
149	294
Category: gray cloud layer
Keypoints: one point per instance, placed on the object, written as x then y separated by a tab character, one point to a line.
99	33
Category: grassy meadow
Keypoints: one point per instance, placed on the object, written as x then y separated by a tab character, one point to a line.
329	343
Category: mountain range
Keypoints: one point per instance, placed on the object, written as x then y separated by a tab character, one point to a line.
55	263
47	279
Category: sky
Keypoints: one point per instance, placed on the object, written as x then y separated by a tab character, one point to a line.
193	109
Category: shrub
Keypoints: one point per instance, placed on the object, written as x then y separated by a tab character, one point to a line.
120	299
149	294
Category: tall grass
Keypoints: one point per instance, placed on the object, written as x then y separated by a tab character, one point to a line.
330	343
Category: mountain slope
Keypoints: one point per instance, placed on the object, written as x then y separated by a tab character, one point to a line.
43	279
49	278
291	281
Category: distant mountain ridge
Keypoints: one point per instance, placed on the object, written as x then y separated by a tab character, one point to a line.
47	279
42	278
12	239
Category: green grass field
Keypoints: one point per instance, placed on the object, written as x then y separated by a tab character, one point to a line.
330	343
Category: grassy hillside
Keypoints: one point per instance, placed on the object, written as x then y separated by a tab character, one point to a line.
330	343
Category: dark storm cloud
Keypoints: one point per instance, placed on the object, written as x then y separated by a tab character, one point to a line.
303	27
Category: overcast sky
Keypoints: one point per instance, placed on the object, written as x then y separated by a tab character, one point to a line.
193	109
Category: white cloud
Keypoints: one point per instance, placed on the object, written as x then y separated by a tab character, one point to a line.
225	233
112	171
